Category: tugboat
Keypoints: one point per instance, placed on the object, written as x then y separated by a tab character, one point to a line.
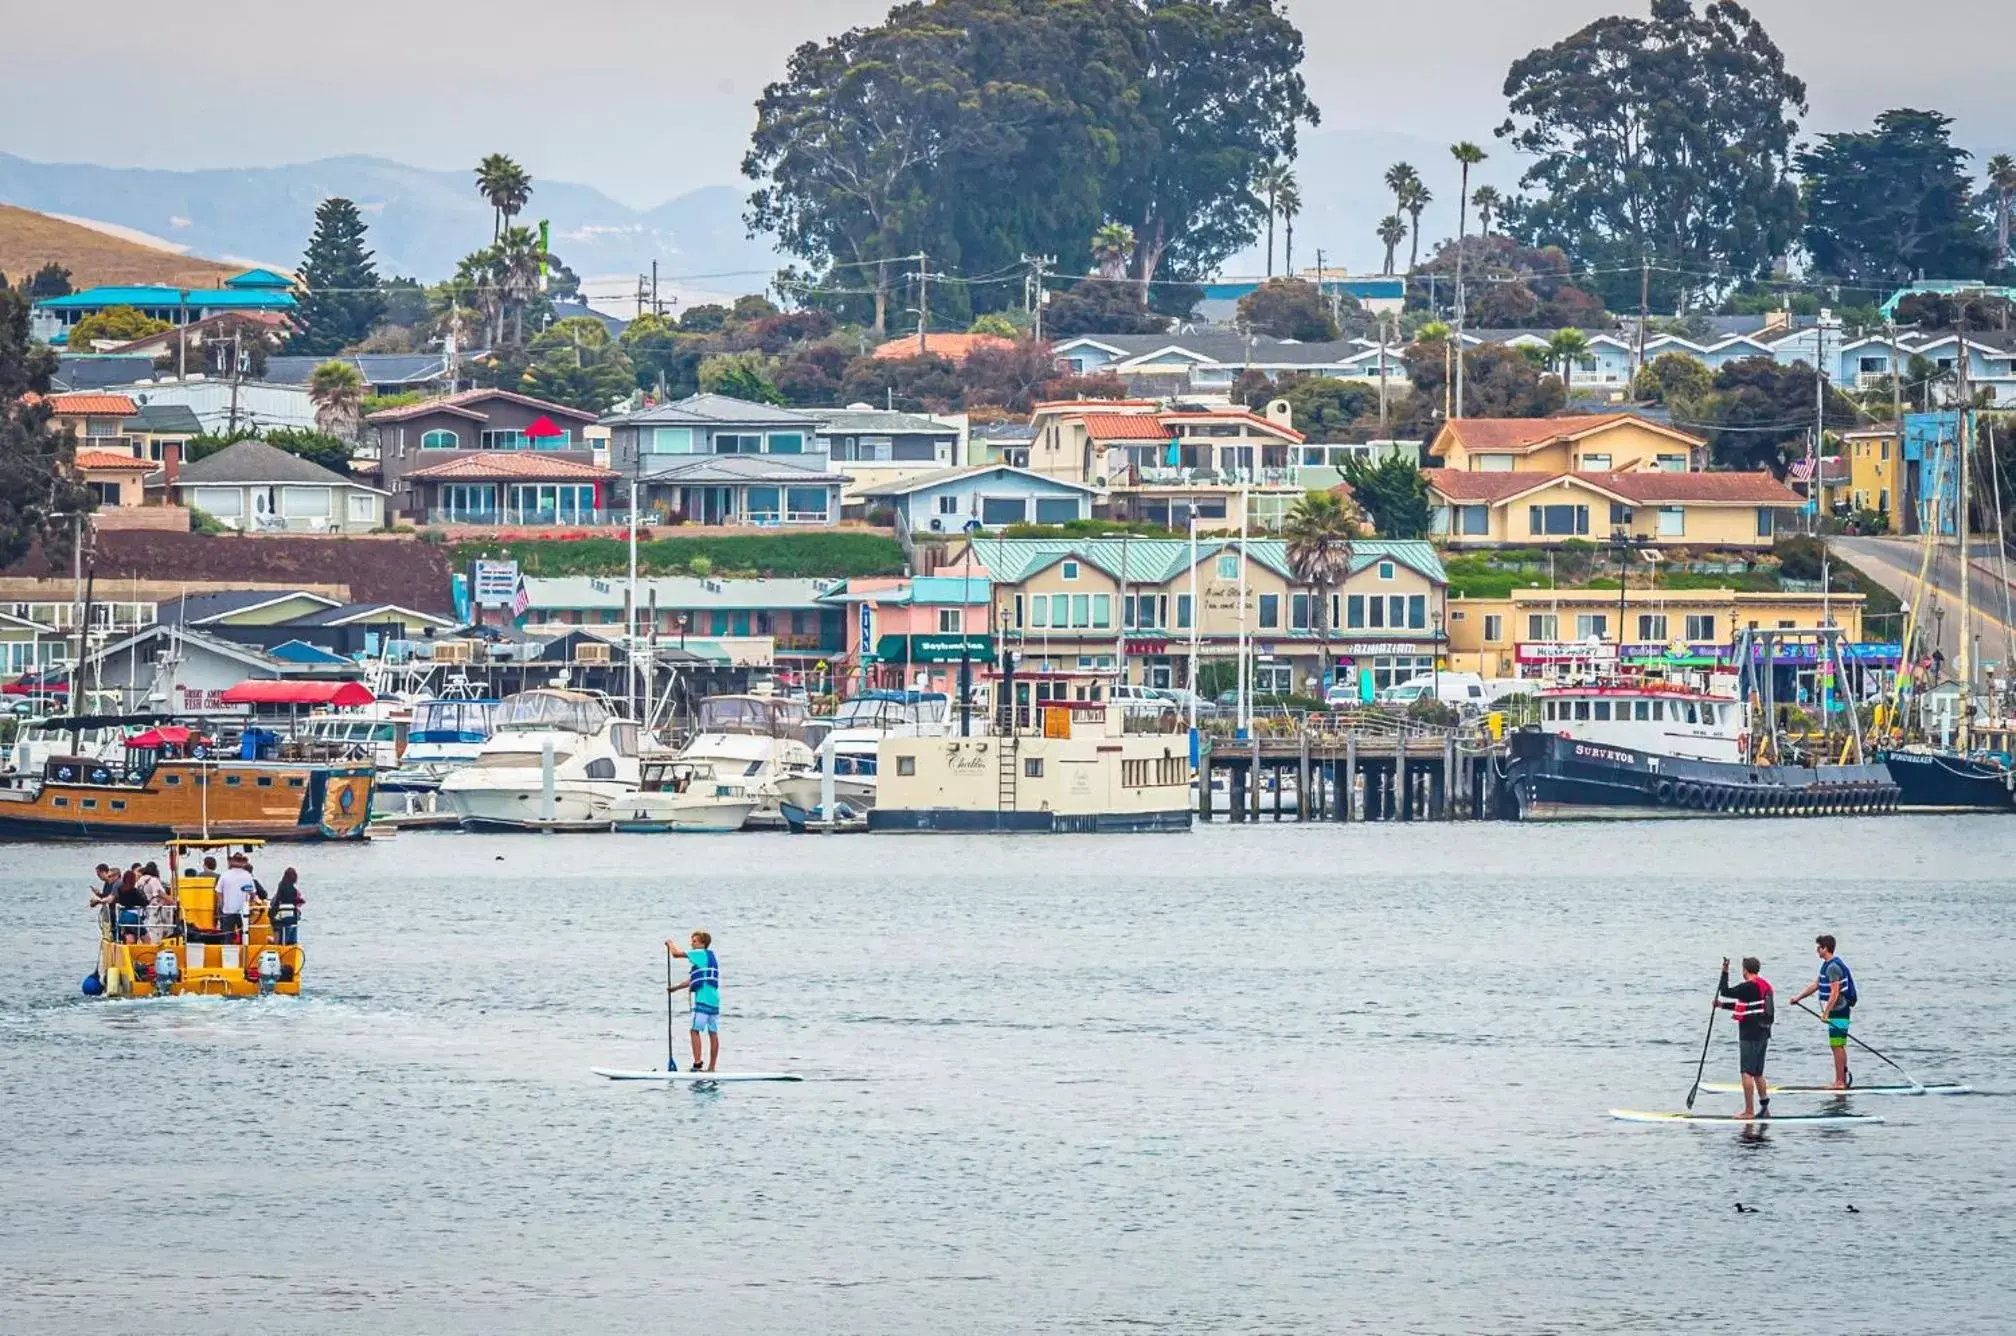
182	950
1632	747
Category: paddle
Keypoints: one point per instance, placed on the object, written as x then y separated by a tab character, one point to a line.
671	1061
1853	1040
1714	1005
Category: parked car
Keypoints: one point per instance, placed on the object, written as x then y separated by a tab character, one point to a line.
1151	702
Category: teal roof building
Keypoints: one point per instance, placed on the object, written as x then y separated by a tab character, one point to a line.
252	290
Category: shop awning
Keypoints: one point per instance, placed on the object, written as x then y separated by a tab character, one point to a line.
299	693
168	735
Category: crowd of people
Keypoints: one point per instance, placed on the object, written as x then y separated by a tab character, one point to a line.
138	906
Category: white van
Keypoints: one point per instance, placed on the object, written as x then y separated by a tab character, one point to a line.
1465	691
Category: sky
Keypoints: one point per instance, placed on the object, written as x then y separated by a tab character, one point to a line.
646	99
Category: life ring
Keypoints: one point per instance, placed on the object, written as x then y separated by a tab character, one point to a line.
1743	745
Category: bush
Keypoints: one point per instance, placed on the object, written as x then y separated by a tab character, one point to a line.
799	555
203	522
1428	710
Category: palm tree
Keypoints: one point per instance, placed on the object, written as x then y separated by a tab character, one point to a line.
1488	203
508	188
1289	201
1415	198
1113	250
1392	231
2002	180
1268	183
1318	530
336	388
1467	155
519	257
1568	346
1398	177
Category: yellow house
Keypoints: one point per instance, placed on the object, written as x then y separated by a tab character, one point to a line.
1599	443
1521	634
1716	510
115	477
1875	461
1078	626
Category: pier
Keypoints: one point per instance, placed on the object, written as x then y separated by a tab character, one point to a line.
1362	765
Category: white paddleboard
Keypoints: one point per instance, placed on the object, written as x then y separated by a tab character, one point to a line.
1940	1088
1798	1119
618	1074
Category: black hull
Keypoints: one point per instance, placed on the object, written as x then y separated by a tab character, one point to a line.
1553	778
1932	782
882	819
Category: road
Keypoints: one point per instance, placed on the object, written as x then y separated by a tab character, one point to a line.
1893	563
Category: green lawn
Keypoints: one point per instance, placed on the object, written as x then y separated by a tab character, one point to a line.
783	556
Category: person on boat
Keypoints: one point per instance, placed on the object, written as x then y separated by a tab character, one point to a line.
285	909
104	892
129	903
1755	1008
703	980
234	897
1836	985
160	900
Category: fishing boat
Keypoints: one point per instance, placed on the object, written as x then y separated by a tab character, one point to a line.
170	783
1636	744
560	760
182	950
39	741
685	796
756	738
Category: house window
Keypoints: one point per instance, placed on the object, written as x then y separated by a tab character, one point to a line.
1056	510
304	503
1081	610
1672	521
948	621
1102	609
441	438
1652	627
668	441
1766	521
1672	463
803	505
731	443
1700	627
1417	612
1228	566
1595	463
1070	570
1473	521
1385	570
1182	612
1299	612
1032	767
1494	628
1354	612
1557	521
1270	612
948	505
1375	605
906	765
505	438
105	493
1060	611
363	508
1591	626
759	504
787	442
999	510
1619	514
1541	626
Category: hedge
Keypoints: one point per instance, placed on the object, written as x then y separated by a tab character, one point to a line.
784	556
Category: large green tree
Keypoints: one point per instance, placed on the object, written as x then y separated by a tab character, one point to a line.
576	362
1761	412
891	142
1889	204
1393	493
38	494
1288	308
341	301
1667	139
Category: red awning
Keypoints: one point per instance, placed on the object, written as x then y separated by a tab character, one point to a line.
168	735
543	426
299	693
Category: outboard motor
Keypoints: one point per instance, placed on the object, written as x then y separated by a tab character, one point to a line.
269	970
167	970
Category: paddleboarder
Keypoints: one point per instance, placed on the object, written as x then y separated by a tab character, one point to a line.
1836	986
703	981
1754	1007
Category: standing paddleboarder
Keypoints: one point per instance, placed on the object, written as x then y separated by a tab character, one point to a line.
1754	1006
703	980
1836	986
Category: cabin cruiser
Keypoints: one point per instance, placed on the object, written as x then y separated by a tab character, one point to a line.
444	735
688	797
376	733
755	740
559	760
858	728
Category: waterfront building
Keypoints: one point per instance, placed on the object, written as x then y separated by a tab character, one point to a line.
713	459
254	290
785	623
913	632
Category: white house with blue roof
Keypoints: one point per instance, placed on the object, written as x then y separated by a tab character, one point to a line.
253	290
991	497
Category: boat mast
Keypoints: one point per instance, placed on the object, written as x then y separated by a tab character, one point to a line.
1963	441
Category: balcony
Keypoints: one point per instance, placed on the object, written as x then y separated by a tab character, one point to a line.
548	517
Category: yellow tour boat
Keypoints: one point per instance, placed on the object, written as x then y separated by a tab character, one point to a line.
180	948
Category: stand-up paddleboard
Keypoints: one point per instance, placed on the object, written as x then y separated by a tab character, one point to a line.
1935	1088
1795	1119
618	1074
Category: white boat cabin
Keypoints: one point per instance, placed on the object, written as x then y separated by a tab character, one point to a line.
1656	718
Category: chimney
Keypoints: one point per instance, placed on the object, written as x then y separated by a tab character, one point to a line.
171	464
1279	411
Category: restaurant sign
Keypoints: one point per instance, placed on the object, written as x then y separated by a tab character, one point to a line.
934	649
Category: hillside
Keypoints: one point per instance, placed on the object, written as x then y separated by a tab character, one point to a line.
28	240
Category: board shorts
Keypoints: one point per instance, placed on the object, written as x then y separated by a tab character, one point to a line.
706	1022
1837	1032
1751	1056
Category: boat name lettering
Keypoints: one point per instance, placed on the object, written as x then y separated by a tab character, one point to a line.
967	761
1605	754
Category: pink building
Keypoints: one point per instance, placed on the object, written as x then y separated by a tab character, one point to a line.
917	629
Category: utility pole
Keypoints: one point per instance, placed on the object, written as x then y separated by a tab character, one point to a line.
181	337
1644	312
1819	416
1382	375
640	295
1037	264
237	361
923	301
656	309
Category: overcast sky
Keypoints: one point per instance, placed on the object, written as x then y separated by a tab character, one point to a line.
648	98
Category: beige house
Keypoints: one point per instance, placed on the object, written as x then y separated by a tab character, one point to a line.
1521	635
254	487
1085	614
1600	443
1530	509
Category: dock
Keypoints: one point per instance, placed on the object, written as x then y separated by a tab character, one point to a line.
1361	765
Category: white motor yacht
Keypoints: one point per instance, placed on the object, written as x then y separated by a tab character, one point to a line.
445	734
559	760
757	741
859	725
688	797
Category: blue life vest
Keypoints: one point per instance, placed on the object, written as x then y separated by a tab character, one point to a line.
703	978
1832	969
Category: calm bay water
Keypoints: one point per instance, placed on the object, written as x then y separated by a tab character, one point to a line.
1271	1079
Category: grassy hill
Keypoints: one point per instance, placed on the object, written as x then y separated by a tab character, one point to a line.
29	240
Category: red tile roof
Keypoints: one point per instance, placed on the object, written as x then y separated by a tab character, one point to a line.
1125	427
1644	488
92	405
464	403
1236	415
511	466
1522	435
956	347
107	460
1464	485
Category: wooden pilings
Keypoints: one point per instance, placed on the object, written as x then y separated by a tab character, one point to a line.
1427	779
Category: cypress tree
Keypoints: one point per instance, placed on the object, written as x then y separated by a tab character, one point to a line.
343	301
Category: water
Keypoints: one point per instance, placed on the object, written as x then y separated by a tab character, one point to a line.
1250	1079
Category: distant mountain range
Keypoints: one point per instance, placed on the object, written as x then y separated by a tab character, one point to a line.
422	222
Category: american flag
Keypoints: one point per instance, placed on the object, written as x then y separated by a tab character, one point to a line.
522	600
1802	469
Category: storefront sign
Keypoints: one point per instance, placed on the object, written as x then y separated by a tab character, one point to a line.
934	649
1147	647
495	583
